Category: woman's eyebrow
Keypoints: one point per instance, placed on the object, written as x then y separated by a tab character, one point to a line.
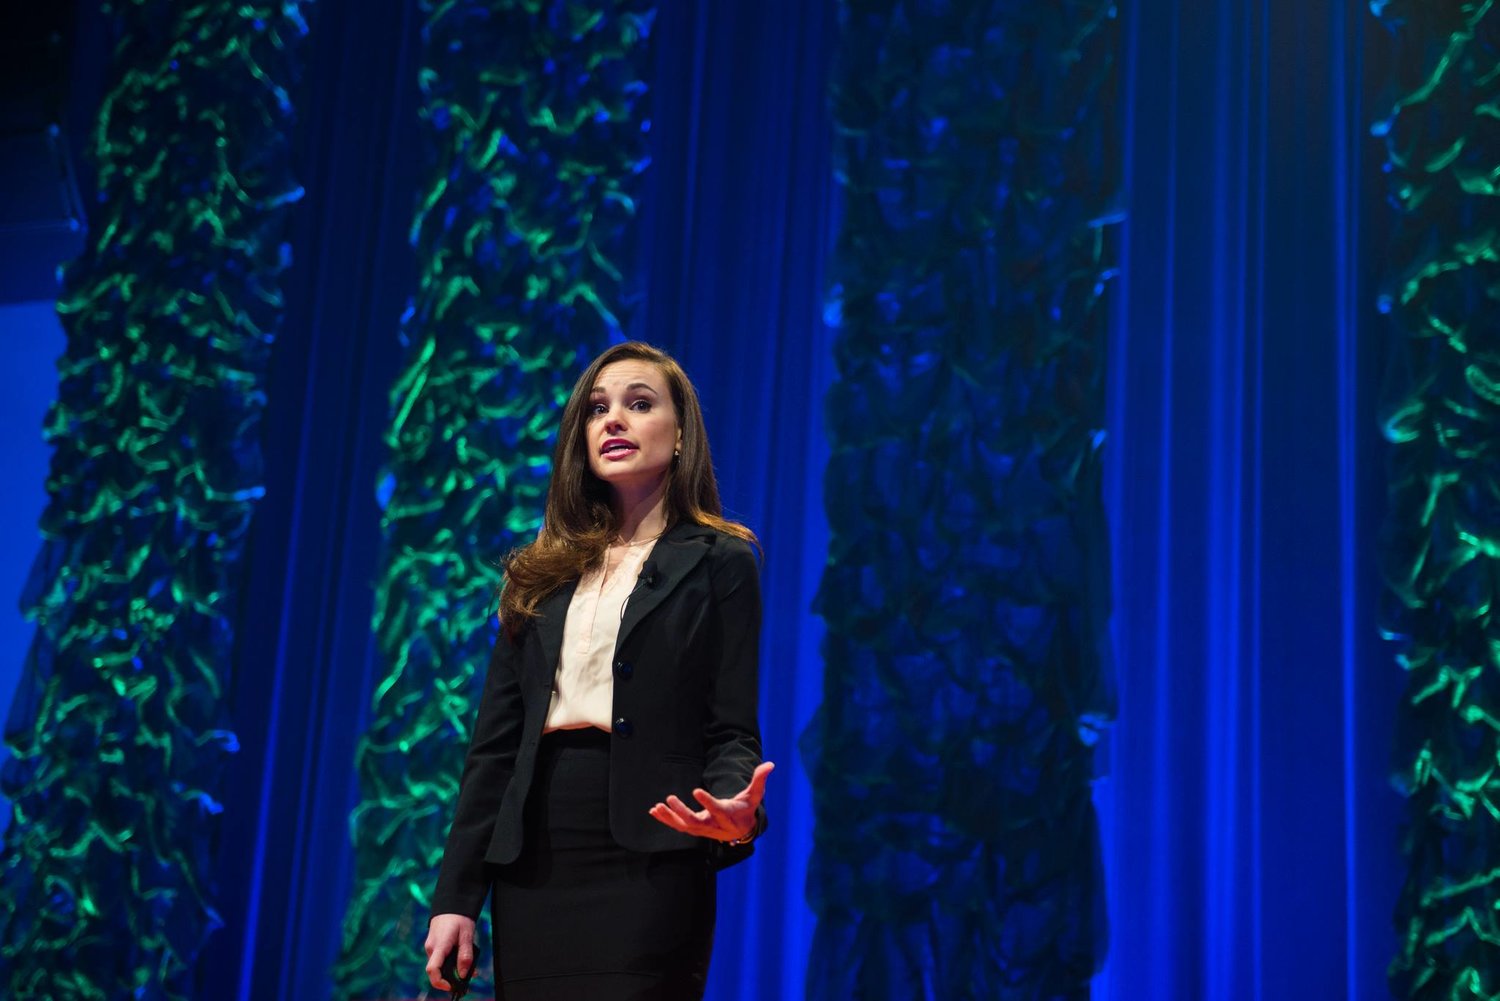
601	391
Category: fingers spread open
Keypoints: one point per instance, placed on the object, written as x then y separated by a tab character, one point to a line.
680	808
663	814
714	809
722	819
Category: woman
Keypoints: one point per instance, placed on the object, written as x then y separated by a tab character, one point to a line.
623	683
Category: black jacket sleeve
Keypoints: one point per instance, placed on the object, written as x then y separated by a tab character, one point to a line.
731	727
464	879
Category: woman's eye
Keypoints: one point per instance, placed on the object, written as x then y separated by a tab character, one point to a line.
641	405
597	408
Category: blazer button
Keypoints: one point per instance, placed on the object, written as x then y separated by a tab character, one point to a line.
623	727
624	670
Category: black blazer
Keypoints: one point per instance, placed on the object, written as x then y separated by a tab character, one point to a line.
686	692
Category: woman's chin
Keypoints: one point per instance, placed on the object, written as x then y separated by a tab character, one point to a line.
629	476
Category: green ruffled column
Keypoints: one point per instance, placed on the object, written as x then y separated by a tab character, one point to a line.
967	669
1441	549
534	123
118	732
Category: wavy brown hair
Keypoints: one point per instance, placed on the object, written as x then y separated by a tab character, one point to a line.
579	521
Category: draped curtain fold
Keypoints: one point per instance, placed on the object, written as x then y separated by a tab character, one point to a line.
737	219
1249	826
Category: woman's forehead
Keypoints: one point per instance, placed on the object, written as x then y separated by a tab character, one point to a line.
620	375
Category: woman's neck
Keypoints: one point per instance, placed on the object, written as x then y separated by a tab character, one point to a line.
641	514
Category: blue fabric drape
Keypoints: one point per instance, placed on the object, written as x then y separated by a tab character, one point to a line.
1249	826
31	360
738	220
305	660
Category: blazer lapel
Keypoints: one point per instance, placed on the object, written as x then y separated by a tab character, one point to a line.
550	616
673	556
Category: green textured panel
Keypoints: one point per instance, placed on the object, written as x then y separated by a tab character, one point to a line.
118	731
534	125
1441	550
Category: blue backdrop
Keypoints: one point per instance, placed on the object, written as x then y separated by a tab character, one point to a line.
31	340
1249	829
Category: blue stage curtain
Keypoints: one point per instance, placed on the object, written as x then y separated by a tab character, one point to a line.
737	219
1249	825
306	657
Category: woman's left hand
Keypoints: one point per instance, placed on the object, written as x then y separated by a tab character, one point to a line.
720	819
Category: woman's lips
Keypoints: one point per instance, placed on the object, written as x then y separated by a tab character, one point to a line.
617	449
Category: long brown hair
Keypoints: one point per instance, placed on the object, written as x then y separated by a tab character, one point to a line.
579	521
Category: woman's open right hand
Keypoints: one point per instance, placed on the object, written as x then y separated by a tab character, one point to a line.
445	933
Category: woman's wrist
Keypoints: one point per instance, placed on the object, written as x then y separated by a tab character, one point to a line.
749	836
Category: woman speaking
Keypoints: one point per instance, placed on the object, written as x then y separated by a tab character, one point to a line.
615	764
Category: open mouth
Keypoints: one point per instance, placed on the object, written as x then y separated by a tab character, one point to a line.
616	447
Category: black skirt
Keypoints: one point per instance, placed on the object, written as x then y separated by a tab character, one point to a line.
578	916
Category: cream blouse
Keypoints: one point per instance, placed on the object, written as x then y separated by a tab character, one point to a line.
583	688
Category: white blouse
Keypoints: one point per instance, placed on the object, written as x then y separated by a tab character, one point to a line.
584	686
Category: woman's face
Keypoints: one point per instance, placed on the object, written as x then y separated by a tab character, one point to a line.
632	431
